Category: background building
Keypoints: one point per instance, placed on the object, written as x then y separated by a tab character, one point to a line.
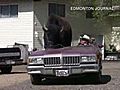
16	22
21	21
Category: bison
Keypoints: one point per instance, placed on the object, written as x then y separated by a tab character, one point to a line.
57	32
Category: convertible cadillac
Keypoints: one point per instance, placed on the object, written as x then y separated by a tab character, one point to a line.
65	62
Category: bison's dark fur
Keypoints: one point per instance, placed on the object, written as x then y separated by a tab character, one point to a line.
57	33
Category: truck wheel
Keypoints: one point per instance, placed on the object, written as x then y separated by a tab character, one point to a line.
6	69
35	79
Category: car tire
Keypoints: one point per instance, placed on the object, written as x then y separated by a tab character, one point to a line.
98	77
35	79
6	69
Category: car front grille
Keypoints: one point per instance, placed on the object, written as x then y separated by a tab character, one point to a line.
52	61
71	60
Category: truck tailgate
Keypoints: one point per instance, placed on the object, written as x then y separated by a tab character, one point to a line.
10	53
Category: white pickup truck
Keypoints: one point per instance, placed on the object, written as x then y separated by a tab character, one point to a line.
17	54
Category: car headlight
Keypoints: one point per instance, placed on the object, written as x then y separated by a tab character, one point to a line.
33	60
84	59
88	58
92	58
37	60
40	61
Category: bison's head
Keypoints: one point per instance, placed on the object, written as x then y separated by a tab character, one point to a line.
52	36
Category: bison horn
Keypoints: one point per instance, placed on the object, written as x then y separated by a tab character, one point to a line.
45	28
62	29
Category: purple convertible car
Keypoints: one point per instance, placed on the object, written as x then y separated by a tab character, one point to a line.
65	62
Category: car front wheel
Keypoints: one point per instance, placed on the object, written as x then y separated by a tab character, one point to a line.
6	69
35	79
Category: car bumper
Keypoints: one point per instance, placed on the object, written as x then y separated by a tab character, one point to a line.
11	62
71	70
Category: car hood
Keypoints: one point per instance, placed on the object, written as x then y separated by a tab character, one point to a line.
89	49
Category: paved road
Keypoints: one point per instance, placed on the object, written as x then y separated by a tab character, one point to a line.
19	80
